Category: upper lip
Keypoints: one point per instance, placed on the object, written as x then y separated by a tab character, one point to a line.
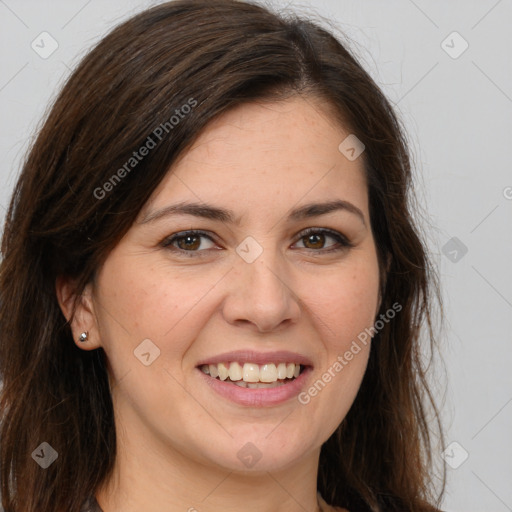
251	356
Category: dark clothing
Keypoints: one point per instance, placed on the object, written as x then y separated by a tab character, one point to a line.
91	505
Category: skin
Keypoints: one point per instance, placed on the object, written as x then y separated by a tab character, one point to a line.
177	439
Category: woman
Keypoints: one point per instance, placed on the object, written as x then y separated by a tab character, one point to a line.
211	283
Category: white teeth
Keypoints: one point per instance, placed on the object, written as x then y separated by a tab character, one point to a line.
213	370
271	385
261	385
251	373
281	371
235	371
223	371
268	373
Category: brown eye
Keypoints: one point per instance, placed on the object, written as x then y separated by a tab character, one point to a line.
315	241
188	242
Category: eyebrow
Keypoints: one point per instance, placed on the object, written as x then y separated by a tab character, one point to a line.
211	212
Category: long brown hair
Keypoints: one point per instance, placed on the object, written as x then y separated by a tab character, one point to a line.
63	221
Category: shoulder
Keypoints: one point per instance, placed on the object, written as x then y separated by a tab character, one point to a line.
329	508
91	505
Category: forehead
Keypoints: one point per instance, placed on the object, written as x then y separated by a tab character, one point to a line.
260	153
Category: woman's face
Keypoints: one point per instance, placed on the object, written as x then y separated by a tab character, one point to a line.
254	282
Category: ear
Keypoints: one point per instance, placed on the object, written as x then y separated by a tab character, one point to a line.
84	319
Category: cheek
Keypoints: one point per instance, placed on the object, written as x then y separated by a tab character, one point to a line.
141	302
342	313
346	304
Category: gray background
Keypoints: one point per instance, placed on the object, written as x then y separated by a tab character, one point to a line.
458	112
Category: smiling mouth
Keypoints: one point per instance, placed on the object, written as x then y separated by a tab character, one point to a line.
254	376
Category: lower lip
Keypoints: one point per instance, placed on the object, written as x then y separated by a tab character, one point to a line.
259	397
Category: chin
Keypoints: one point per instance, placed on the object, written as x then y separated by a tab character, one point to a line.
258	452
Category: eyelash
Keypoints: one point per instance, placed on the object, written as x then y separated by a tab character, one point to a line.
343	242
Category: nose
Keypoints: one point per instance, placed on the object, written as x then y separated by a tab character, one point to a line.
261	294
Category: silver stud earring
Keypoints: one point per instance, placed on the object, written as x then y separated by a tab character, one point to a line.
83	337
